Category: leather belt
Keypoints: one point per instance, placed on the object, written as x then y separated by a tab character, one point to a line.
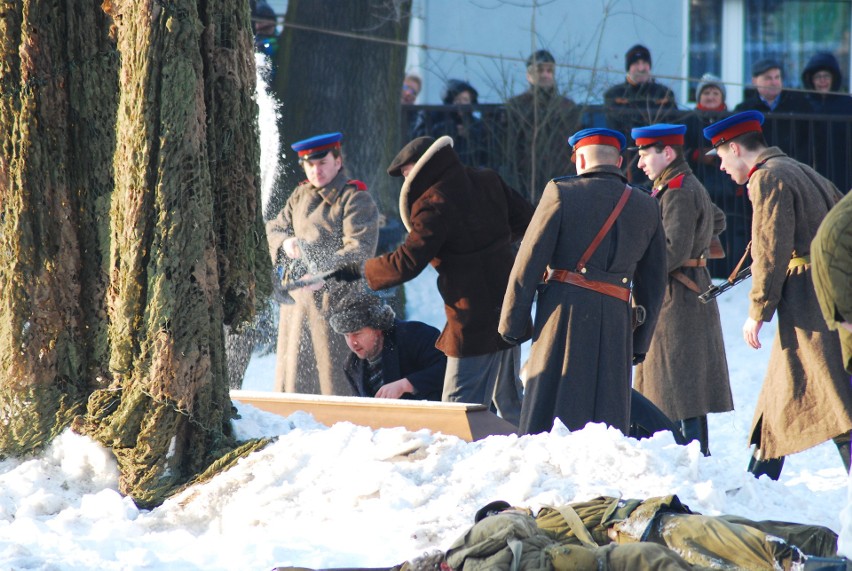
694	263
574	278
799	261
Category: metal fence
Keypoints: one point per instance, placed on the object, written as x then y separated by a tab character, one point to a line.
529	148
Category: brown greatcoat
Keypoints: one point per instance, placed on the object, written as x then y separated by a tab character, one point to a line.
336	224
580	361
685	372
831	254
463	221
806	398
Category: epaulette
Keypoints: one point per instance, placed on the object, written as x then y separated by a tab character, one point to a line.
566	177
358	184
676	182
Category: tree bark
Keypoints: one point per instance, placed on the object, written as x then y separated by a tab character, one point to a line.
333	83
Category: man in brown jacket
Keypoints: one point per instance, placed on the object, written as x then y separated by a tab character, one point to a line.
685	372
806	398
583	343
463	221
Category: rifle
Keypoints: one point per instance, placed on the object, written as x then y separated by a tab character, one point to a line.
715	291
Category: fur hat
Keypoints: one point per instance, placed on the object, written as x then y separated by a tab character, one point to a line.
409	154
363	311
636	53
710	80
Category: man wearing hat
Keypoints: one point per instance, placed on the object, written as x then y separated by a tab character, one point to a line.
599	244
685	372
806	397
463	221
389	358
639	100
327	221
537	122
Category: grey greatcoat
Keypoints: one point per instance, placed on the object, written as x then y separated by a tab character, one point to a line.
806	396
336	224
580	361
685	372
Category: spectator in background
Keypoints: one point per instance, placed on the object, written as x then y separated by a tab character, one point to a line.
537	124
411	87
462	125
710	95
638	101
264	24
831	143
390	358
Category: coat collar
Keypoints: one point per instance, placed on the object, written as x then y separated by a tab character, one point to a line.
331	191
678	168
605	169
769	153
404	206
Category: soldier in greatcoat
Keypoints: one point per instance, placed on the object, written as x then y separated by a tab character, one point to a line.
685	372
328	221
806	397
583	342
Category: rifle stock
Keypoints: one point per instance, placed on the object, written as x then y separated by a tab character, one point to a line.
715	291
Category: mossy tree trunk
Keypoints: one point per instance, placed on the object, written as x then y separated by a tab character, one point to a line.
334	83
130	229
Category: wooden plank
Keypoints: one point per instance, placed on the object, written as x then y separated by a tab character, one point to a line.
467	421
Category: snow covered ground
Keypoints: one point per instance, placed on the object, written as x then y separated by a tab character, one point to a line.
351	496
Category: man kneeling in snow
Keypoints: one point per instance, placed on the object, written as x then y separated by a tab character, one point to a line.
390	358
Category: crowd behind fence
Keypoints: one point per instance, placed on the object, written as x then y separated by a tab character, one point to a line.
527	159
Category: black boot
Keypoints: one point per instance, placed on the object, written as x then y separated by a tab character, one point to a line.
695	428
771	467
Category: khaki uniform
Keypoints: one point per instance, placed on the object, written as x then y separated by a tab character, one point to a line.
685	372
831	255
337	224
806	398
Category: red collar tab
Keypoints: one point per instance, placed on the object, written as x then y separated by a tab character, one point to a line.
754	169
676	182
358	184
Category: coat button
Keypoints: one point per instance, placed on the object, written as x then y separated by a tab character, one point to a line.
624	280
583	270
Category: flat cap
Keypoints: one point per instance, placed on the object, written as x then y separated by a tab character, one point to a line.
665	133
316	147
410	153
598	136
723	131
761	66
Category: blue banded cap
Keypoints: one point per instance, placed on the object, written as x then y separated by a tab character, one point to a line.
316	147
665	133
598	136
723	131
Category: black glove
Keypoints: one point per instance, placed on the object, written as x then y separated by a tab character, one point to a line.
348	272
510	340
638	358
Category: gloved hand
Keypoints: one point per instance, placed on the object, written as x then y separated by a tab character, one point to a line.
510	340
638	358
348	272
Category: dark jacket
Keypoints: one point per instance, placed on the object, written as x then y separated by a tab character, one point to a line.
408	353
782	128
463	221
580	360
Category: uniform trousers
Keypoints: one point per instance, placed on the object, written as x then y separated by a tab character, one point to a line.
486	378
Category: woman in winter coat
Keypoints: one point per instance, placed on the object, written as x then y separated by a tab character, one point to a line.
328	221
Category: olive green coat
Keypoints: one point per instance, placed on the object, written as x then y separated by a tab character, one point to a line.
685	372
336	224
806	397
831	255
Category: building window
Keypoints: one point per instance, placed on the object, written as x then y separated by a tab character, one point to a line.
705	41
791	31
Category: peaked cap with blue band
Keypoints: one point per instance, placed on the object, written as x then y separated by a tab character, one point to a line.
598	136
727	129
316	147
665	133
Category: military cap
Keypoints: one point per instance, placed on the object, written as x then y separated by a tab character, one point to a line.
316	147
665	133
761	66
597	136
723	131
541	56
410	153
490	509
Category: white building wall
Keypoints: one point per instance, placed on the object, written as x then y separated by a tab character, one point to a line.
486	42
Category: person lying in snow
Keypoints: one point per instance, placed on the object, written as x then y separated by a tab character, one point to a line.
609	533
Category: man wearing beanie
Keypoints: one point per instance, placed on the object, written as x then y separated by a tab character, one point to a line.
390	358
638	101
463	221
